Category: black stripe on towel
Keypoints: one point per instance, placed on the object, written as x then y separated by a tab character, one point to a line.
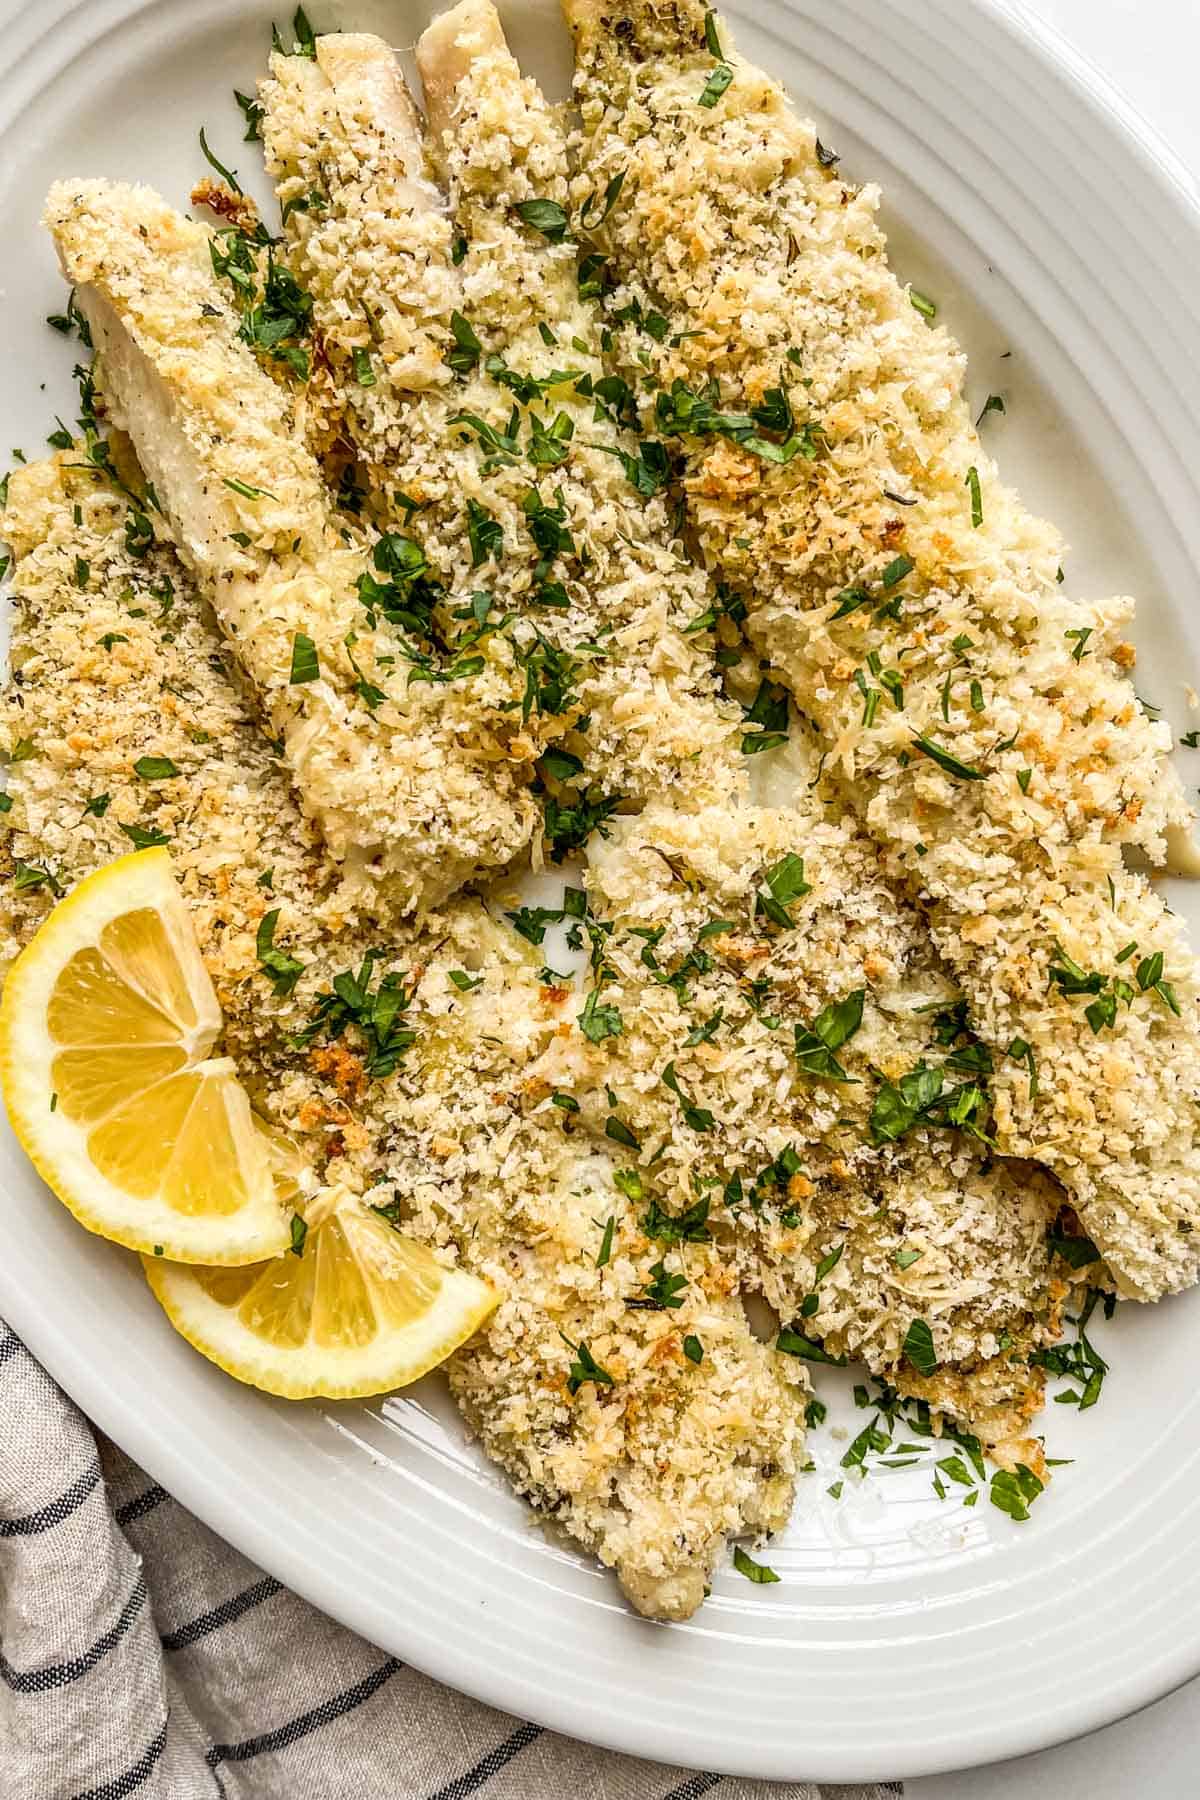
133	1777
694	1787
46	1517
490	1765
225	1614
56	1675
141	1503
295	1729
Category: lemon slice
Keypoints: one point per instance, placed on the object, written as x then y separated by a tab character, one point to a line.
358	1310
106	1025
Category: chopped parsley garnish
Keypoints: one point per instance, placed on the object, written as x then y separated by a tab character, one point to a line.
503	447
1014	1492
585	1367
769	713
648	471
282	971
568	826
380	1017
1191	739
697	1117
922	1097
662	1293
961	770
918	1347
1066	974
688	1227
29	876
484	533
550	676
976	497
305	666
794	1343
245	490
834	1026
299	1234
530	922
924	305
142	839
897	570
252	113
705	1032
597	1021
993	404
467	347
547	526
785	884
228	176
546	217
1079	1362
462	981
682	410
619	1132
1079	636
97	806
589	218
1075	1249
716	85
753	1571
548	444
1148	976
606	1242
155	768
72	320
693	1349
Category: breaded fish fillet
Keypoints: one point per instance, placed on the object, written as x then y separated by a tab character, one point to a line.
755	1069
642	1455
487	432
416	787
979	723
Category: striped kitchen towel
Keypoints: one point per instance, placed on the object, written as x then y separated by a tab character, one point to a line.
141	1655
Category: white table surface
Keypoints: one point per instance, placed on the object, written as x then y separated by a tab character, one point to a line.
1151	50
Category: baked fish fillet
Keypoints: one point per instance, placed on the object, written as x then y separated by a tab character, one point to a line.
416	787
650	1459
865	1230
440	267
980	725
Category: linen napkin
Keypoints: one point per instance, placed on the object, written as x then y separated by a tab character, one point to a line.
142	1655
